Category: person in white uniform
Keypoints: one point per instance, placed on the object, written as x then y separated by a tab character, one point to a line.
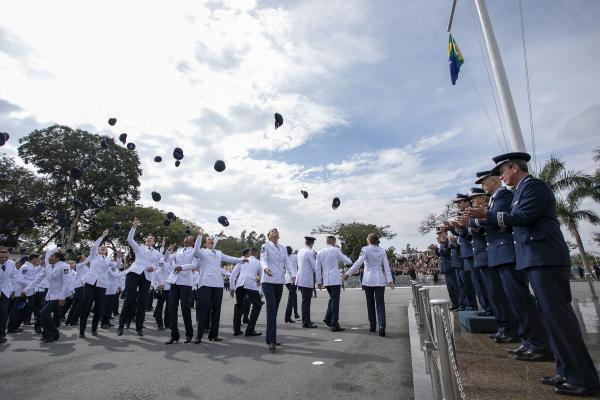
376	276
138	279
113	283
292	301
81	268
7	270
328	274
305	278
162	288
243	280
274	261
57	272
23	277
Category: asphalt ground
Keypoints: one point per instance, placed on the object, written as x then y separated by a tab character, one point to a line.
361	365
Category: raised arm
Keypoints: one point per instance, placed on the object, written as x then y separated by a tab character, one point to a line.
97	243
130	237
344	258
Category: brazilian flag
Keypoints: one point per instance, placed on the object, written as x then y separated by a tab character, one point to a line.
455	59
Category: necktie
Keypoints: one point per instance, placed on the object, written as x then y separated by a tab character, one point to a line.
3	267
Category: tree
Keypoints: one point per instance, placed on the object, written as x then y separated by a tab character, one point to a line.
109	176
433	220
391	254
555	174
20	190
353	236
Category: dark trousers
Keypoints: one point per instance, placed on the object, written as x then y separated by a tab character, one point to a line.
133	283
272	292
95	294
115	305
307	294
243	296
161	311
246	309
292	301
210	310
498	301
480	288
107	308
452	286
375	299
553	292
48	316
524	308
16	313
38	303
75	311
180	294
238	309
333	306
469	299
3	314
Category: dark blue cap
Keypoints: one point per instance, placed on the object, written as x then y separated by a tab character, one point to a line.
504	158
482	175
461	197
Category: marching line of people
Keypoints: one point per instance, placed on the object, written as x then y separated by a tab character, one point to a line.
57	289
505	239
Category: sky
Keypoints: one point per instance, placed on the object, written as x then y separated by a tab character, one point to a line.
370	115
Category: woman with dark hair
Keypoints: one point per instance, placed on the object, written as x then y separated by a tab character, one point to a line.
57	272
376	275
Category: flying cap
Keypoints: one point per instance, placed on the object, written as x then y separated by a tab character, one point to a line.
131	146
219	165
104	144
223	220
156	196
177	153
177	163
78	203
4	138
29	222
123	138
278	120
335	203
171	216
167	222
304	194
76	173
62	221
157	159
40	207
112	121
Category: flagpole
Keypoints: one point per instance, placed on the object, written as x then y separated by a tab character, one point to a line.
506	99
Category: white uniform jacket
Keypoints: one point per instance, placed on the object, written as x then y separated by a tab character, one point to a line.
146	258
377	268
293	264
244	274
7	272
183	257
275	257
306	268
58	276
209	265
328	265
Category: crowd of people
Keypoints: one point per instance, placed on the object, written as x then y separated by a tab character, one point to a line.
418	264
505	240
50	289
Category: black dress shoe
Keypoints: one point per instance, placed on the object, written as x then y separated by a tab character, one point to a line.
552	380
120	330
238	333
3	340
533	356
171	341
94	332
253	333
272	347
310	325
104	327
519	350
290	321
140	333
38	330
215	339
504	339
48	340
382	332
572	390
198	340
327	323
82	336
297	316
17	330
337	329
188	339
372	329
161	328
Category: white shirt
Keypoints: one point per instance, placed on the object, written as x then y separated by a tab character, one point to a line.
306	267
275	257
146	258
7	271
209	265
246	274
99	265
113	278
376	263
58	276
184	257
24	276
293	264
81	269
162	274
328	265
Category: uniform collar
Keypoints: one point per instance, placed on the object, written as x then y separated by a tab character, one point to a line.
525	178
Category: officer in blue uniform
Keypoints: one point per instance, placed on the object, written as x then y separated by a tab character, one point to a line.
542	254
515	286
442	250
457	265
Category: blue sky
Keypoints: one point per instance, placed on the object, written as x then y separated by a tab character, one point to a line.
363	86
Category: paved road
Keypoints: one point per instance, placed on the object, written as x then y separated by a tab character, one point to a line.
362	365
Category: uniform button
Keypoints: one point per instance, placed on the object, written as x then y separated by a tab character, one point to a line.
501	242
488	243
515	242
531	238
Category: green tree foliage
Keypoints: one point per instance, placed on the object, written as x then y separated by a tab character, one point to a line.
109	176
353	236
234	246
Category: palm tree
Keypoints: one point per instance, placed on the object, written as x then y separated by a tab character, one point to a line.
555	174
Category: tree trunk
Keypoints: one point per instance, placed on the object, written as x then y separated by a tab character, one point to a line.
584	259
72	230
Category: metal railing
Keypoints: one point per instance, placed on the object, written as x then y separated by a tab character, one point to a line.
437	342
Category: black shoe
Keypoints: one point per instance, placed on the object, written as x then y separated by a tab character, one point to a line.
310	325
94	332
238	333
278	343
372	329
272	347
215	339
120	330
453	308
48	340
171	341
17	330
3	340
28	323
104	326
245	322
297	316
504	339
519	350
127	326
572	390
290	321
38	330
82	336
253	333
552	380
327	323
140	332
188	339
161	328
381	332
198	340
534	356
337	329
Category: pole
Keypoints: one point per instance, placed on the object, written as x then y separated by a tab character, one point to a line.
506	100
451	15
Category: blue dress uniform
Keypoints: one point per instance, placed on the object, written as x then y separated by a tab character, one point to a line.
471	276
501	256
457	265
443	252
541	253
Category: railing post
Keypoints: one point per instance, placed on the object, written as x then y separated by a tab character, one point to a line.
445	339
